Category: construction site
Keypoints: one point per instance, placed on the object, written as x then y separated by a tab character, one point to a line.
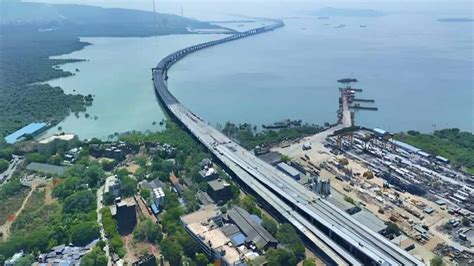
426	205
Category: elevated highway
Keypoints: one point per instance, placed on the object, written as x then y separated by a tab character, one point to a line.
334	232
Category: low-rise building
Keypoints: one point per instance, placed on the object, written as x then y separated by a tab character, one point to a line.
289	170
219	190
370	221
65	254
145	260
32	129
48	169
272	158
178	188
13	259
221	239
205	163
112	185
208	174
467	235
253	233
157	192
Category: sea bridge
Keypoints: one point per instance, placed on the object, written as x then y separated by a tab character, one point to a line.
333	232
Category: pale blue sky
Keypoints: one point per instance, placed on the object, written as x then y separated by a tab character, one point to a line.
220	9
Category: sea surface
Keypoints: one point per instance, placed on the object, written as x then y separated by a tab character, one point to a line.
418	70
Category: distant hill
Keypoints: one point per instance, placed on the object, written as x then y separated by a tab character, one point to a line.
84	20
346	12
32	32
456	20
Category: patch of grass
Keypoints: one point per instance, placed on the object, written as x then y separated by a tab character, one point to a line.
453	144
470	170
11	205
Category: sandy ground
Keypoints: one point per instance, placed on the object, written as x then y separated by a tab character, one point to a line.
318	154
132	168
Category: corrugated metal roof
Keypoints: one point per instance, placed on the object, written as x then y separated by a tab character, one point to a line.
371	221
29	129
380	131
47	168
288	169
405	146
255	233
424	154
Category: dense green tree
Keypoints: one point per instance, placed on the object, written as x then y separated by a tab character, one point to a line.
392	228
67	187
249	203
171	201
96	257
436	261
191	200
309	262
170	218
453	144
56	159
109	198
201	259
35	157
146	194
172	251
3	165
288	236
279	257
83	233
93	173
189	246
270	225
148	231
128	186
248	136
6	152
81	201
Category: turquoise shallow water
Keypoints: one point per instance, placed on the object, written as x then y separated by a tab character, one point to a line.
418	70
118	73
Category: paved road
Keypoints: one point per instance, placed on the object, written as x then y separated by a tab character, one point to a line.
100	197
7	175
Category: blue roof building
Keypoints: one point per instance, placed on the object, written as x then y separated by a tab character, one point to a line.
238	239
31	129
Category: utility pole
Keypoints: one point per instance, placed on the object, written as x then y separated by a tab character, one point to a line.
154	13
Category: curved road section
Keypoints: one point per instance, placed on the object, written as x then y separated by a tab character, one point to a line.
332	233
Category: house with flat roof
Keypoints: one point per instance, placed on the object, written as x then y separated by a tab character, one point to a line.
223	240
219	190
157	191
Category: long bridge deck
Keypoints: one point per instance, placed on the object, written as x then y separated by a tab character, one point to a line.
334	232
